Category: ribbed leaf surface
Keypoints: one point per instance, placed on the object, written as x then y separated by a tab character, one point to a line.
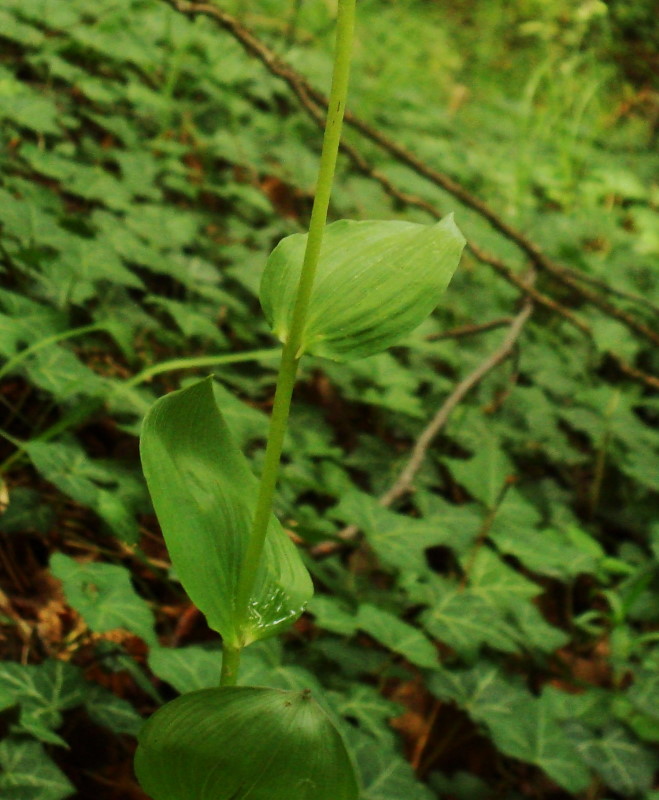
204	494
244	742
376	282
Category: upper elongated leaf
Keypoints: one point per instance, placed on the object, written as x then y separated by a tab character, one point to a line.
204	494
375	282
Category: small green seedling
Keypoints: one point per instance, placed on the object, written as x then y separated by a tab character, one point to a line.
344	291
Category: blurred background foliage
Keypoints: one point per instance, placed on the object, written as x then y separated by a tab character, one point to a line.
491	634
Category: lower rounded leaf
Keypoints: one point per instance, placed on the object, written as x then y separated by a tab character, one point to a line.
243	742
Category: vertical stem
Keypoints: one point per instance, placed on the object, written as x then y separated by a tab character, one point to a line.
291	355
230	664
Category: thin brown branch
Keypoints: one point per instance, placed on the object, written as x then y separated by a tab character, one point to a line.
404	483
469	330
604	286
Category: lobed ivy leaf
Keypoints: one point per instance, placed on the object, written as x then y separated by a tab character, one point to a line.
204	495
521	725
385	774
28	774
109	490
623	763
42	691
397	635
104	596
112	712
187	669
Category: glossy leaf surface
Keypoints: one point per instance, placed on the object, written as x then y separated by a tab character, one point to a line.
204	494
376	282
244	742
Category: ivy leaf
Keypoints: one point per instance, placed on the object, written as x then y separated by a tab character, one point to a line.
112	712
57	370
624	764
204	494
87	481
28	773
25	512
484	475
385	774
397	635
549	552
521	725
187	669
104	597
331	615
465	621
399	541
42	691
496	583
367	706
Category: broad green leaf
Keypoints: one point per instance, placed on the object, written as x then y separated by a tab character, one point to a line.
484	475
399	541
375	283
112	712
187	669
245	422
28	774
385	774
465	621
625	765
104	596
204	494
42	691
87	481
521	725
219	744
369	708
496	583
397	635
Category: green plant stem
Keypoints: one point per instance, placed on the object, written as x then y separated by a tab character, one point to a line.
85	408
15	360
292	348
230	664
200	361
